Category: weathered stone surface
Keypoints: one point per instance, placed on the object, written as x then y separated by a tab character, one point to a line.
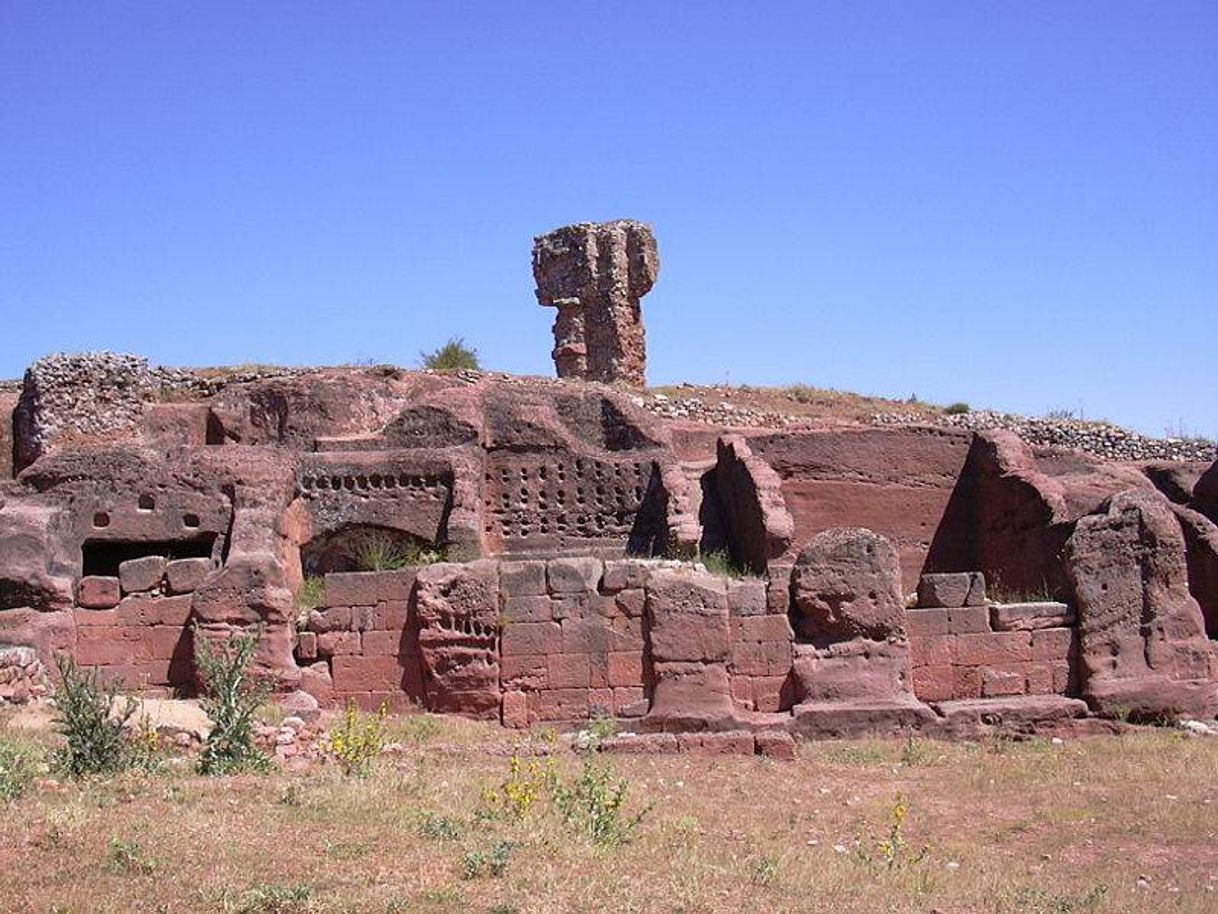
944	590
142	574
98	395
458	611
268	478
759	526
185	575
595	274
688	616
574	575
854	670
847	583
1143	647
96	592
1205	493
1015	617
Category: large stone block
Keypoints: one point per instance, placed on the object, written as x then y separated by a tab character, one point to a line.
688	615
142	574
574	575
94	592
1139	627
846	584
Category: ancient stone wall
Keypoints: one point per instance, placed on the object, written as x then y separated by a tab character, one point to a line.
97	396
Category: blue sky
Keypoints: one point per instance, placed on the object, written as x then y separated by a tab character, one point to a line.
1012	204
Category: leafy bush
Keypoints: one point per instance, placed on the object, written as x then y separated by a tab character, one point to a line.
956	409
91	722
231	695
453	355
593	805
892	851
519	790
438	828
18	765
358	740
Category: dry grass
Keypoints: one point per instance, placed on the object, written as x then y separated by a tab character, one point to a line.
1009	827
800	400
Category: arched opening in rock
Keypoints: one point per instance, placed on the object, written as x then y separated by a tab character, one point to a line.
364	547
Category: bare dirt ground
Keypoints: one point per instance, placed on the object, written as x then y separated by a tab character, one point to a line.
1102	824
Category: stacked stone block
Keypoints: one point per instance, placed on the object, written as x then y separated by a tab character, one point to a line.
363	646
964	647
134	626
761	646
572	640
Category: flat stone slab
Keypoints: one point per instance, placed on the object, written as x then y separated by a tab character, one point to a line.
849	719
1026	617
970	717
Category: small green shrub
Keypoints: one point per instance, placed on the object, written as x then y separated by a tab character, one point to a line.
269	899
596	732
91	722
492	863
128	858
452	356
892	851
593	804
231	695
358	740
957	409
18	765
312	594
438	828
519	790
721	563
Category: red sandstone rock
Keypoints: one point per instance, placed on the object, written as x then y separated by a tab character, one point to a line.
750	495
945	590
1205	493
1143	647
688	616
185	575
458	608
775	744
95	592
142	574
846	584
1009	617
595	275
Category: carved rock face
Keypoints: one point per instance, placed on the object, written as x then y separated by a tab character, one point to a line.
847	584
458	617
1141	632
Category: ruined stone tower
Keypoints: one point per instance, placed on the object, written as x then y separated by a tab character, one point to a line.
595	274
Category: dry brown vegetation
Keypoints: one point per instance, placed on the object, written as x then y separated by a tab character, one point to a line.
801	401
994	827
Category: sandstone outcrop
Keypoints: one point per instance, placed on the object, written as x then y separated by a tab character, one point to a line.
1143	646
527	550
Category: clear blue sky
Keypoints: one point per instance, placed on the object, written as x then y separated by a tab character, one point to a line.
1013	204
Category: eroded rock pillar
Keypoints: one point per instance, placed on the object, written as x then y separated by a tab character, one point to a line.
595	274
